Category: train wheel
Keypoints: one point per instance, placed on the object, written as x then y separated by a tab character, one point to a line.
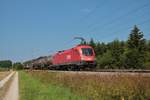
69	68
76	68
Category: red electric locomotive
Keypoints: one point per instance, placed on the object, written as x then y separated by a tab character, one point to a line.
79	57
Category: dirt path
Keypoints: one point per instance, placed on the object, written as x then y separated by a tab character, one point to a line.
3	74
2	82
13	91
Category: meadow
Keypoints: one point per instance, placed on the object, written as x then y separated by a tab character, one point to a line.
32	88
98	86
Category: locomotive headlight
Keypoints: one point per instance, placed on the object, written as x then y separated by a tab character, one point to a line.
82	58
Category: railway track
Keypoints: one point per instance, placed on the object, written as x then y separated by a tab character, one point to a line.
144	73
121	71
101	70
118	70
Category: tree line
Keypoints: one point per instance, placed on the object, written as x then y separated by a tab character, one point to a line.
134	53
7	64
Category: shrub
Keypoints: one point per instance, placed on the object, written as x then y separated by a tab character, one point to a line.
17	66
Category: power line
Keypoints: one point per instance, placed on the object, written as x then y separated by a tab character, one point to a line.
125	15
141	23
126	28
108	28
104	17
93	11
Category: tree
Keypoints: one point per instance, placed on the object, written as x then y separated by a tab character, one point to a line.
17	66
117	50
135	54
92	43
147	61
136	40
105	60
100	48
114	50
83	43
6	64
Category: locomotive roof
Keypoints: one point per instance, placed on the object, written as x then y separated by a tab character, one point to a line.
73	48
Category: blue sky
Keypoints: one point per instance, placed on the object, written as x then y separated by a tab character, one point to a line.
33	28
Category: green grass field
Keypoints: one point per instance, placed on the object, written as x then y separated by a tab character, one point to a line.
96	87
32	88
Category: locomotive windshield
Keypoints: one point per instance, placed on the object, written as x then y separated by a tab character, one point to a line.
87	51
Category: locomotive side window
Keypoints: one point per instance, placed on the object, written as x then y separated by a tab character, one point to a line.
87	51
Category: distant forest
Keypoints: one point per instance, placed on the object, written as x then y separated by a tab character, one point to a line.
134	53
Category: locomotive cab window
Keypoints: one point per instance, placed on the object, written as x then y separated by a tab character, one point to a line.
87	51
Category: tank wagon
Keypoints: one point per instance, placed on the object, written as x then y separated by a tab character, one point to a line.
79	57
38	63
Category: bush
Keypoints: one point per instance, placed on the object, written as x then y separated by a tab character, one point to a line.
17	66
147	65
105	60
134	59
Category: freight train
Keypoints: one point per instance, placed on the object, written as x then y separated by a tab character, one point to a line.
38	63
77	58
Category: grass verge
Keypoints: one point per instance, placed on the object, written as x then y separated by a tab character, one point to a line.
31	88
